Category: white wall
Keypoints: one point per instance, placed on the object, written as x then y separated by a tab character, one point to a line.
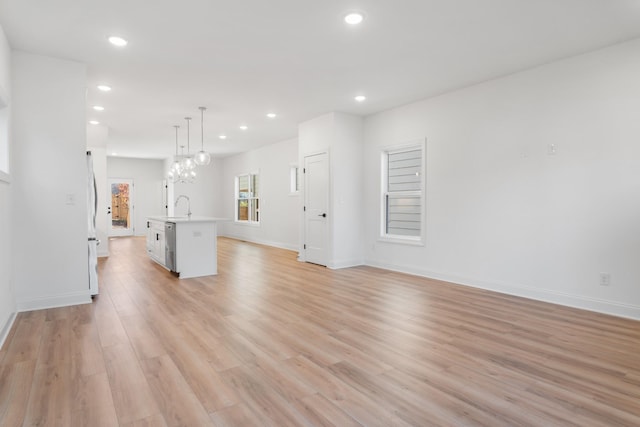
346	188
205	193
501	213
7	299
49	179
278	207
340	135
147	178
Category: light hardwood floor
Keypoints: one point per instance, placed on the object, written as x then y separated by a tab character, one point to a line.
271	341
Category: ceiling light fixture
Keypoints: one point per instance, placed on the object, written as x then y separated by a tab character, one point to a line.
223	136
94	122
271	115
354	18
104	88
176	168
360	98
117	41
243	127
202	158
179	173
187	162
98	107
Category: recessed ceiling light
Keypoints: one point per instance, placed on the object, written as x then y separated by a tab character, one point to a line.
104	88
271	115
94	122
117	41
353	18
114	154
360	98
98	107
243	127
222	136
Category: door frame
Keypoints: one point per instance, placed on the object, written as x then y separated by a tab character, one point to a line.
132	208
303	193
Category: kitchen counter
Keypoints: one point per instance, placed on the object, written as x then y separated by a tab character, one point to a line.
183	245
193	218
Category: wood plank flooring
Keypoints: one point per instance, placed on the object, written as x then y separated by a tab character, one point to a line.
274	342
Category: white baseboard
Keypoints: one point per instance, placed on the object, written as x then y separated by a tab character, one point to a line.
280	245
53	301
546	295
4	332
345	263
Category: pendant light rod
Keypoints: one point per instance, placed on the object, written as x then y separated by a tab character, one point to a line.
188	119
202	110
177	127
202	158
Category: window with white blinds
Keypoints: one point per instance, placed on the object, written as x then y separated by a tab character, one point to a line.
403	193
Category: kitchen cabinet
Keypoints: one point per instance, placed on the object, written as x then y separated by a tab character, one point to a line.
193	251
156	241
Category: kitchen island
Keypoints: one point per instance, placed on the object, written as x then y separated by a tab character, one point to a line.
184	245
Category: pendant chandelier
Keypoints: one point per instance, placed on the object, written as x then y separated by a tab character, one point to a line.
180	172
175	169
187	162
202	158
183	168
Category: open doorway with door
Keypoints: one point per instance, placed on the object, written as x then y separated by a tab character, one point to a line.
316	203
121	209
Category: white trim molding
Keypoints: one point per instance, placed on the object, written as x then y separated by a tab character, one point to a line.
569	300
4	332
53	301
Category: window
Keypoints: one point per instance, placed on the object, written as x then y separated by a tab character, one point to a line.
294	186
403	201
247	198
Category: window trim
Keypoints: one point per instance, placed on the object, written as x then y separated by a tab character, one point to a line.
384	171
249	199
294	179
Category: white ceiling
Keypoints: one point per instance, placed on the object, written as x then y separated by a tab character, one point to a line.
244	58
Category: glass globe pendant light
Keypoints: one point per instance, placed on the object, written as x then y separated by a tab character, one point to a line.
187	162
175	169
202	158
185	176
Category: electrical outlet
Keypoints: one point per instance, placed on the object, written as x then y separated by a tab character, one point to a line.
605	279
551	149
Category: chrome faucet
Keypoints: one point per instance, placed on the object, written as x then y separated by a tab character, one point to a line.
188	204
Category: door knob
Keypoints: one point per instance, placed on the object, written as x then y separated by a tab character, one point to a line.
323	215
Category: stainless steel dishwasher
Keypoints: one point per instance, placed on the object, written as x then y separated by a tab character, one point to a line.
170	246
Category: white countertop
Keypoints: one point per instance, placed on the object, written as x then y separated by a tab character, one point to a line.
187	219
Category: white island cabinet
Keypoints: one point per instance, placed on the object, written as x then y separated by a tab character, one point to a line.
186	246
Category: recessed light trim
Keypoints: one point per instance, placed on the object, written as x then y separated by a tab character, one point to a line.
98	107
94	122
104	88
114	154
354	18
117	41
360	98
243	127
272	115
222	136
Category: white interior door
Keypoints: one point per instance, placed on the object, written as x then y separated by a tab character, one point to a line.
316	203
120	210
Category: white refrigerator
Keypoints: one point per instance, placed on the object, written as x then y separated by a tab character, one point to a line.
92	206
